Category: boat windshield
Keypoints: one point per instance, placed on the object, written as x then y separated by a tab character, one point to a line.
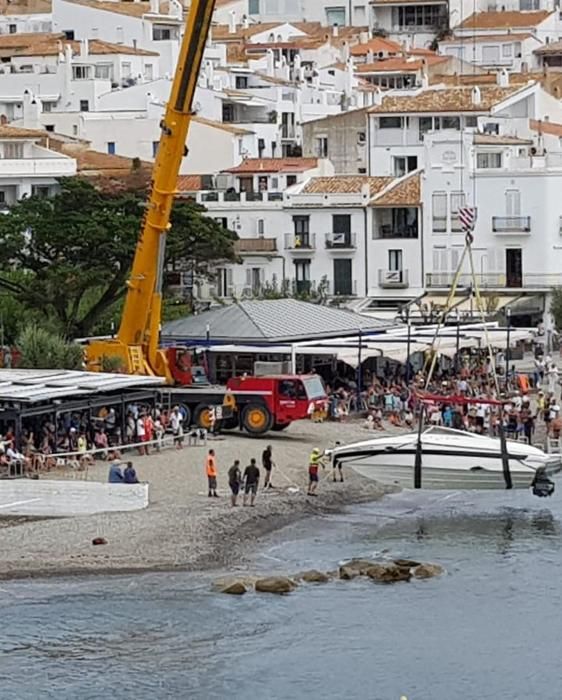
314	387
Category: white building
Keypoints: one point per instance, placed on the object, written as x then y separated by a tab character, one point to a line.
17	17
399	124
326	12
28	166
506	39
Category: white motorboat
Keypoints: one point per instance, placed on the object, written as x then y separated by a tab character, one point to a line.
451	459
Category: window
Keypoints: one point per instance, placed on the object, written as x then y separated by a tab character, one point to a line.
301	225
261	227
343	280
390	122
111	148
395	260
254	277
418	16
13	150
425	125
74	130
126	69
253	7
40	190
12	28
69	34
2	197
471	122
507	50
49	127
361	137
47	106
439	208
149	71
223	281
335	15
302	276
84	105
457	201
341	230
81	72
104	71
274	183
322	146
490	55
262	183
228	113
261	147
241	82
155	145
404	164
448	123
291	180
488	160
513	203
160	33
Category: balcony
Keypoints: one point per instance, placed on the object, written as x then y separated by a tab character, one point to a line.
49	167
300	242
237	198
340	241
511	224
496	280
393	279
302	287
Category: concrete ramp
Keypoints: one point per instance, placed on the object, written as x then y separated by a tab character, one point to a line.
52	498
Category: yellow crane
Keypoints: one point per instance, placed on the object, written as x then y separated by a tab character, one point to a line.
136	343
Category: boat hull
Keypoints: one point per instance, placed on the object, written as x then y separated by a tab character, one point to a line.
450	460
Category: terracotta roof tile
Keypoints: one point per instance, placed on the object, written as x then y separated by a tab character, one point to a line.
274	165
132	9
345	184
555	47
485	38
541	127
504	20
25	7
16	132
450	99
377	45
400	64
255	245
189	183
404	192
53	44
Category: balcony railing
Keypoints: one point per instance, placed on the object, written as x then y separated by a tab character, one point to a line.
300	242
241	198
511	224
340	240
393	279
390	231
496	280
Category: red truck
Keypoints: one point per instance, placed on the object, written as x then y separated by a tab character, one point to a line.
254	404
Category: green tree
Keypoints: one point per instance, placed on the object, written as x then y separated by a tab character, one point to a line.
41	349
68	257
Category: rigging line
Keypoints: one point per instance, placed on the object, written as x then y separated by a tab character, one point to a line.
480	306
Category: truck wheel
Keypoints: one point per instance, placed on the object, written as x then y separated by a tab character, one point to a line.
202	416
279	426
256	419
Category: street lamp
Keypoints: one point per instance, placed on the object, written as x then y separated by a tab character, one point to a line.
508	317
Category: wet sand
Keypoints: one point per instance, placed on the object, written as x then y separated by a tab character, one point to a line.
182	528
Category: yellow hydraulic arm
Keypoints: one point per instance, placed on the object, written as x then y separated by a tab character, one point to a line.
136	344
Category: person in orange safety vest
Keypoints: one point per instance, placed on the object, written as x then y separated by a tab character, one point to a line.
211	469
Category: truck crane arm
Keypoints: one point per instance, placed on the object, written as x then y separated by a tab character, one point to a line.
136	344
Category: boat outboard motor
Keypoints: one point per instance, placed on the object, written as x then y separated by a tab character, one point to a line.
542	485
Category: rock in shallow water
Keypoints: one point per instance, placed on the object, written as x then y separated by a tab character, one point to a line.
428	570
388	573
275	584
313	576
357	567
406	563
234	588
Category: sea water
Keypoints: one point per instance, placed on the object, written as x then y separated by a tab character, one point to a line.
490	628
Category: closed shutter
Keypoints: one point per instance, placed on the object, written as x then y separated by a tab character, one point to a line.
512	203
439	210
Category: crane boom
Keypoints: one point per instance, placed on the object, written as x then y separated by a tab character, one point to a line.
136	344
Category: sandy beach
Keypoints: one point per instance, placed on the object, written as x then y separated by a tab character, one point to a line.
182	528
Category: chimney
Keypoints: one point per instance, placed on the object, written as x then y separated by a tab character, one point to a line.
155	7
210	74
232	22
84	47
363	37
31	111
335	30
245	22
502	78
476	95
370	56
377	96
270	70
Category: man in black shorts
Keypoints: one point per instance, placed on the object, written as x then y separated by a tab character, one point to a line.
267	464
234	481
251	481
